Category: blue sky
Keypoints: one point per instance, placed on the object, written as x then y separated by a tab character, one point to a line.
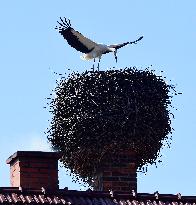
31	49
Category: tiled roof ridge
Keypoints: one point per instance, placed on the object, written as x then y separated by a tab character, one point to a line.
95	194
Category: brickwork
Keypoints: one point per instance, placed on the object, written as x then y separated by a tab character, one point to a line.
34	169
117	173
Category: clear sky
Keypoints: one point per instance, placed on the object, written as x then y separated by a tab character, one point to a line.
31	49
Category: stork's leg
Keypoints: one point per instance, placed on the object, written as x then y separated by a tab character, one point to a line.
93	64
98	63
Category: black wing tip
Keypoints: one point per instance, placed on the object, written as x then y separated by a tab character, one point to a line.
139	39
63	24
135	42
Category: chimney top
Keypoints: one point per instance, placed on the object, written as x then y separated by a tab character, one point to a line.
34	154
34	169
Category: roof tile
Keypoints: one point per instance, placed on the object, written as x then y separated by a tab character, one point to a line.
30	199
42	199
50	201
2	198
15	198
22	198
36	198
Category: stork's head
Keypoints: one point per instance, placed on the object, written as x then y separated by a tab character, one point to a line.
114	50
111	49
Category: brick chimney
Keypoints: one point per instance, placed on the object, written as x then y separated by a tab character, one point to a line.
117	173
34	169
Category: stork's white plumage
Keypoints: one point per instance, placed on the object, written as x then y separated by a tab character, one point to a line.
90	49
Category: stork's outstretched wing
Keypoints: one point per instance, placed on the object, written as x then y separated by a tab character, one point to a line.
117	46
74	38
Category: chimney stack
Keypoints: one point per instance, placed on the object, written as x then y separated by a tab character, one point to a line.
34	169
117	173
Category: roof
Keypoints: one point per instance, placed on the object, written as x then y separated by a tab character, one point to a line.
12	195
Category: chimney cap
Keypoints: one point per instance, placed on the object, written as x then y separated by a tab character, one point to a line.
53	155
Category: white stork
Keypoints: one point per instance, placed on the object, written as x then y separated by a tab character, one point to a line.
90	49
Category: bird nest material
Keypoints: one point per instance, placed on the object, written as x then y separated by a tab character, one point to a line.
96	113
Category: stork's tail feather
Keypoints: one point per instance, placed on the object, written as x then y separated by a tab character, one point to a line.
63	24
134	42
86	57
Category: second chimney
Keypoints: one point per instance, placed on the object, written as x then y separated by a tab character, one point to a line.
117	173
34	169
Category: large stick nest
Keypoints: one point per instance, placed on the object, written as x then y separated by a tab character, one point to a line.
96	113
